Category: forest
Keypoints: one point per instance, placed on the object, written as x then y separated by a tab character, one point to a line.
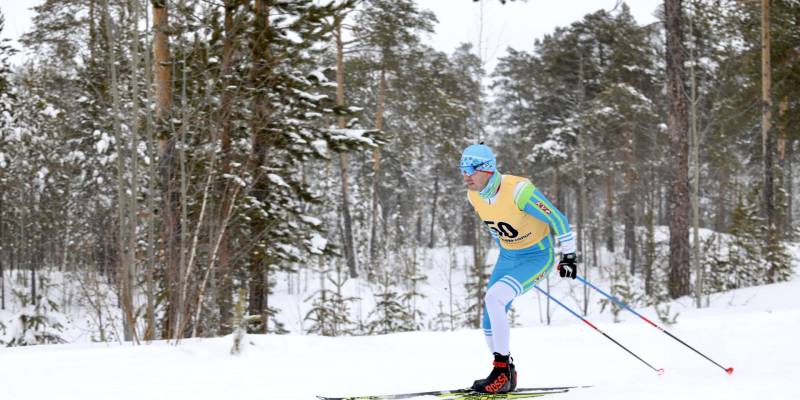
192	155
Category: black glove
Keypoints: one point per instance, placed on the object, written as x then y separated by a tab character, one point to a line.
567	267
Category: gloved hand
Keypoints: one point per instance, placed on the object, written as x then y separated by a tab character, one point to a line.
568	267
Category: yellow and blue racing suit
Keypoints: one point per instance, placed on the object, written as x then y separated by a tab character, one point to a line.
521	219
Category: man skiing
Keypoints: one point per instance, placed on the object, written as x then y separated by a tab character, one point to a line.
521	220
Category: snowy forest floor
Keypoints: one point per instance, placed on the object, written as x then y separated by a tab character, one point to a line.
753	330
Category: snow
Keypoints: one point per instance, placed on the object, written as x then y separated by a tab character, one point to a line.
319	75
635	93
16	134
311	220
276	179
606	110
309	96
321	147
753	330
75	155
550	147
102	145
50	111
239	181
352	135
317	244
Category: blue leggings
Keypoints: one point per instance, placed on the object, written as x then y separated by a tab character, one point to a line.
515	272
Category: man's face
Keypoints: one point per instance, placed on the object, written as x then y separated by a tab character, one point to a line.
476	181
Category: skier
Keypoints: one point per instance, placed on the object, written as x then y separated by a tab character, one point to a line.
521	220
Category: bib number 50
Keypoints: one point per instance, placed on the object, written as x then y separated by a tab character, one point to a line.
502	229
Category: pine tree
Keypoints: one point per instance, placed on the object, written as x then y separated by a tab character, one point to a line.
386	29
745	249
390	314
330	308
622	287
6	93
38	321
477	280
6	120
440	321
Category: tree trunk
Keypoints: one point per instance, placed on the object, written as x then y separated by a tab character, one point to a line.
225	286
696	265
33	282
720	217
479	259
259	131
214	252
581	161
629	204
124	252
376	166
349	251
609	225
547	304
2	252
162	65
134	146
433	212
767	139
649	252
677	123
789	179
556	195
467	225
784	165
183	276
150	317
766	112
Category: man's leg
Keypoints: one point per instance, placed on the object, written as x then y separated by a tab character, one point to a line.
501	265
487	330
503	377
498	298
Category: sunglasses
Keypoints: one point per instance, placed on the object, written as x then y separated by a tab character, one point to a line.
470	165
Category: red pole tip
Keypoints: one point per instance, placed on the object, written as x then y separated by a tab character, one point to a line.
729	371
661	371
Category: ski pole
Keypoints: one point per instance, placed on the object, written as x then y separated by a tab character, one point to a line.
660	371
729	370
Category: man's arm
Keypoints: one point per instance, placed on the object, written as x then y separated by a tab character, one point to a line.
529	199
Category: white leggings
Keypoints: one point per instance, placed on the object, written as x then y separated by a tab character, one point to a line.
498	301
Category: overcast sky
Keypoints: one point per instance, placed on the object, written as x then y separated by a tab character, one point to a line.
515	24
17	15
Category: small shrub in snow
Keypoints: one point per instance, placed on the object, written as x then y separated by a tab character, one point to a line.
34	324
665	314
622	287
330	308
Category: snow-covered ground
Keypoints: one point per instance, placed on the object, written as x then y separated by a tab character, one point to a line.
753	330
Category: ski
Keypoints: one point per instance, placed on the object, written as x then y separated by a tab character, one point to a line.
512	395
462	394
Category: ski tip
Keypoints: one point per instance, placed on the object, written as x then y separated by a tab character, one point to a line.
729	370
661	371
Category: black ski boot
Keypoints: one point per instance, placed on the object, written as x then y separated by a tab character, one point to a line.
502	379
